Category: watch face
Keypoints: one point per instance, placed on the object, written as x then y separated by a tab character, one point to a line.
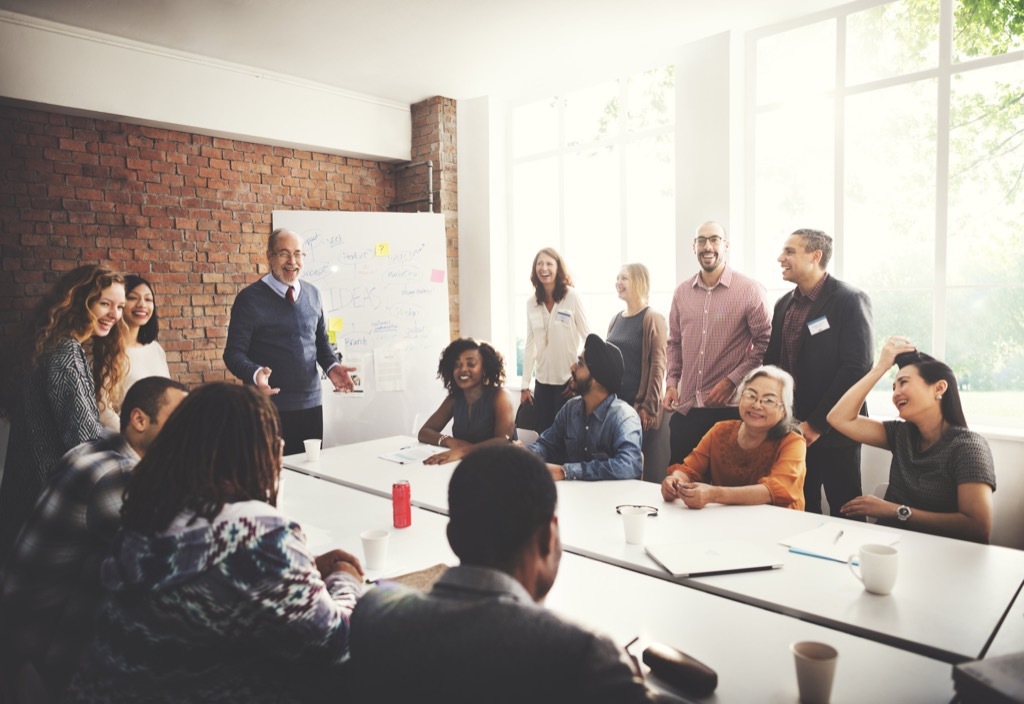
903	512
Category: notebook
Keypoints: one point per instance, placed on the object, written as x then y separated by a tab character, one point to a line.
713	557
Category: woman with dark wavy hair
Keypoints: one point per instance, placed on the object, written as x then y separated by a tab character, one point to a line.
213	594
556	326
942	476
53	392
473	374
145	355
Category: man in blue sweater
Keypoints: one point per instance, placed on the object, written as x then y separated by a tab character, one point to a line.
277	328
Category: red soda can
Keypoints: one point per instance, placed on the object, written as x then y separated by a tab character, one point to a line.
401	503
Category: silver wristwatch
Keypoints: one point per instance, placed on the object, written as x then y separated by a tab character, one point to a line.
903	512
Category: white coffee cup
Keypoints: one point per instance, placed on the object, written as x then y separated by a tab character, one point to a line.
375	548
634	521
312	450
815	669
878	567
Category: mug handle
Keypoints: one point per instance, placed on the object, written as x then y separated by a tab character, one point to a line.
849	563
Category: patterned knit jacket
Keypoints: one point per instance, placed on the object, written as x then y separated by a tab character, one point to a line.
220	611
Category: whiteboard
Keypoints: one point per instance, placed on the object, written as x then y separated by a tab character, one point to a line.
384	283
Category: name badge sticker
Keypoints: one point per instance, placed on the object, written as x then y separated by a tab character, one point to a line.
818	325
564	317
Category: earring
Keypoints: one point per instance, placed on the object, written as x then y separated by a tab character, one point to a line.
938	397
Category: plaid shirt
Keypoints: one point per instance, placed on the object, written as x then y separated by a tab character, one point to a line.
793	324
50	588
714	333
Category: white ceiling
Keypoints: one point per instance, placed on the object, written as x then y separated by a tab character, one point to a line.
408	50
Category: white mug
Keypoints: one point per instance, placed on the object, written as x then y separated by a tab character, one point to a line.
878	567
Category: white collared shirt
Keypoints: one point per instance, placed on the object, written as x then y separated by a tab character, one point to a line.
553	338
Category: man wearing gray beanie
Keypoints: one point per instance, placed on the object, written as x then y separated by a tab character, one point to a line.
596	435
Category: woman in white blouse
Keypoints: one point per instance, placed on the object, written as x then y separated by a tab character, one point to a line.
145	355
556	325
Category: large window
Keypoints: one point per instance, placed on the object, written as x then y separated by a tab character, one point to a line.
593	175
899	129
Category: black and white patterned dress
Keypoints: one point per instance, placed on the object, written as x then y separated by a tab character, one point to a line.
57	412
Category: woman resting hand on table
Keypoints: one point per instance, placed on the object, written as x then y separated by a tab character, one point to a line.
942	476
759	459
473	373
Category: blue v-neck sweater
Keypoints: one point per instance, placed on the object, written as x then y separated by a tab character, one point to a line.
290	338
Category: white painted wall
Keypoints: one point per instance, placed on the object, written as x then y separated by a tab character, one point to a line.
74	70
484	297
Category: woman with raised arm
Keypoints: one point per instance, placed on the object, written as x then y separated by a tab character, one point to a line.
641	334
942	476
759	459
473	374
556	326
58	373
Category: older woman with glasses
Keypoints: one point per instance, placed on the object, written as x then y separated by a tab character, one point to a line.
759	459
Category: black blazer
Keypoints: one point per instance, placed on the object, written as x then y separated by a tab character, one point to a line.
829	363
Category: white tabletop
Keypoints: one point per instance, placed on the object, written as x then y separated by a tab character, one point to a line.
747	646
359	465
333	516
948	602
1010	636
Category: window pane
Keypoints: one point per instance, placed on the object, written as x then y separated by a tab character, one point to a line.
795	184
890	187
904	312
986	28
651	209
797	62
592	232
890	40
592	113
534	216
986	193
988	356
651	98
535	127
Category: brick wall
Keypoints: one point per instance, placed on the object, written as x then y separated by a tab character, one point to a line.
434	138
189	212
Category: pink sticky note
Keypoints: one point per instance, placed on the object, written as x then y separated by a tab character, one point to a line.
437	275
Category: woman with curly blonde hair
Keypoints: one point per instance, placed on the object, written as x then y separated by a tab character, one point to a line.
52	390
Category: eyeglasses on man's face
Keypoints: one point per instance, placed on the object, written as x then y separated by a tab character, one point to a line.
715	240
769	403
284	254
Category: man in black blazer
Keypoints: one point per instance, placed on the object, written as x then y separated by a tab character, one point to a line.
821	334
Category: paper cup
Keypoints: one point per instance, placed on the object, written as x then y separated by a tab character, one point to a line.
312	450
634	521
375	548
815	669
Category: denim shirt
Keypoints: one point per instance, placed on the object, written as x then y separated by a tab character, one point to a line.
605	445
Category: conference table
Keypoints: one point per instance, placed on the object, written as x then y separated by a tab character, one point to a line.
748	647
950	599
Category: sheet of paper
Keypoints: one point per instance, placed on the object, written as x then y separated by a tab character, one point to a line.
412	454
388	370
837	542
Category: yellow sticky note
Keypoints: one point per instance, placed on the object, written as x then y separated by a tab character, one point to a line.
332	336
335	324
383	249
